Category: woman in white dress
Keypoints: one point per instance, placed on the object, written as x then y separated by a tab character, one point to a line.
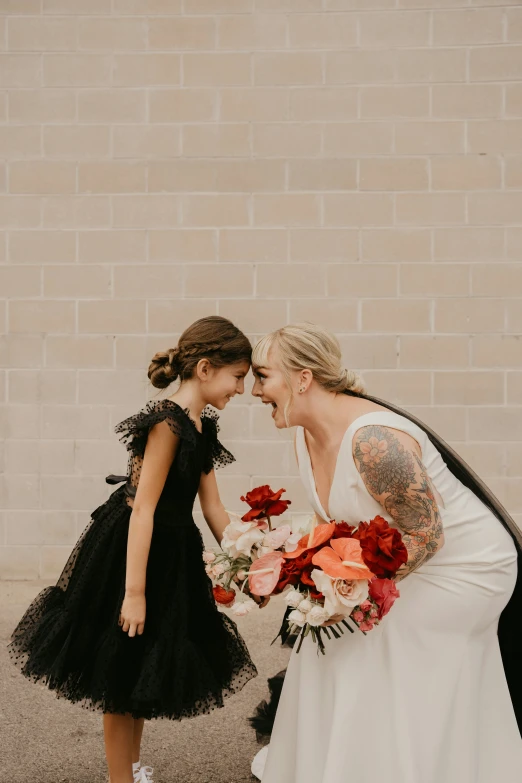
423	698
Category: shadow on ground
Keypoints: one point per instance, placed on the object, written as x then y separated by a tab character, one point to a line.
48	740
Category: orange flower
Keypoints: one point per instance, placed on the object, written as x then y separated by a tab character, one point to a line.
319	535
342	560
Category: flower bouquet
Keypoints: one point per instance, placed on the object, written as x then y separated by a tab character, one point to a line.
245	540
340	571
334	569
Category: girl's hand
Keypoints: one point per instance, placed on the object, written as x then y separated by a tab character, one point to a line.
132	615
336	618
260	600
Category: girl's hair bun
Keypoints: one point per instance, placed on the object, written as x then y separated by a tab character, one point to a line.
164	368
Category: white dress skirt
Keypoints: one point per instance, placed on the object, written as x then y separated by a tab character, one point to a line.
422	698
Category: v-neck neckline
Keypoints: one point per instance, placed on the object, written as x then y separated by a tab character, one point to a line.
186	411
326	516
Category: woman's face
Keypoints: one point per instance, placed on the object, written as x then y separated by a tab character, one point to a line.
272	388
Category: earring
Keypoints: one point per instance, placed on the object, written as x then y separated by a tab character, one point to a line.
301	390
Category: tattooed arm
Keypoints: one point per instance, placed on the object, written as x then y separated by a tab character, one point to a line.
392	470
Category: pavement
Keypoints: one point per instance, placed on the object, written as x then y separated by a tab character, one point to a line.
47	740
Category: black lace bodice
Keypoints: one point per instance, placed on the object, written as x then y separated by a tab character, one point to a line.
197	453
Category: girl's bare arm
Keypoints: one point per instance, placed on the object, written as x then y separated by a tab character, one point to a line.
213	509
159	454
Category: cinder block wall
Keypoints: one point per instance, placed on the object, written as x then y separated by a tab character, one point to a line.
353	162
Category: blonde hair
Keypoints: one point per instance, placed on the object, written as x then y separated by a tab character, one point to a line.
307	346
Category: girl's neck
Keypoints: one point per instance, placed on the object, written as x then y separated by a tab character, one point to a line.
189	396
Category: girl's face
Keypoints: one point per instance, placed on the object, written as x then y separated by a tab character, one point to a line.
272	389
223	383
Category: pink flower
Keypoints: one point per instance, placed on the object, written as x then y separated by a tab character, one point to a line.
208	557
366	606
264	573
358	616
384	592
367	625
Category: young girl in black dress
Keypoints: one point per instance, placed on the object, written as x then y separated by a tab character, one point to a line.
131	629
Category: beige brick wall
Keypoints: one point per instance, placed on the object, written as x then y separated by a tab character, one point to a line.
353	162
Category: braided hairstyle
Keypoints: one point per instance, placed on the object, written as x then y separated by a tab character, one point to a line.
213	338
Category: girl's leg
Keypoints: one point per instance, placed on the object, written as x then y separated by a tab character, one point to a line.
119	738
136	742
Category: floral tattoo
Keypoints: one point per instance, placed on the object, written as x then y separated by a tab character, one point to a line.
397	479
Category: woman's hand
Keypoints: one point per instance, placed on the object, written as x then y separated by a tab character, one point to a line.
132	615
336	618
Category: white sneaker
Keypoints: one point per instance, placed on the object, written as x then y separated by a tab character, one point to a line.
143	775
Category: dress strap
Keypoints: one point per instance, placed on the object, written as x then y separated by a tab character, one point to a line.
392	420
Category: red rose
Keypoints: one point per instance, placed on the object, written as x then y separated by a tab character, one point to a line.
306	577
382	548
384	592
343	530
305	558
222	596
264	502
289	576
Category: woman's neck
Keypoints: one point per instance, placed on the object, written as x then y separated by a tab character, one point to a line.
327	414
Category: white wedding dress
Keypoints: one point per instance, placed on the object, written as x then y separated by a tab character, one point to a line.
423	697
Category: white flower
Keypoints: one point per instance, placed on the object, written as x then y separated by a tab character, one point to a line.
292	541
264	550
277	537
208	557
218	569
300	527
302	523
297	618
293	598
305	606
242	574
239	537
317	615
340	595
208	569
241	608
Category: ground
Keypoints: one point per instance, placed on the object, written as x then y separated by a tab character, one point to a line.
48	740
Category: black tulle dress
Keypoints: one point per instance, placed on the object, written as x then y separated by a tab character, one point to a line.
190	656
